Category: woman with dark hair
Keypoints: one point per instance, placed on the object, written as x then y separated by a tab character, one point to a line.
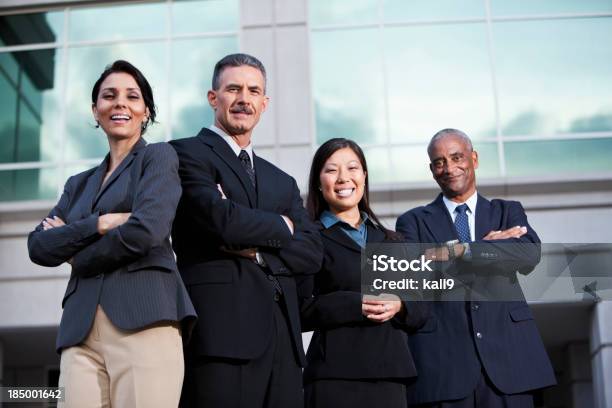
359	354
120	332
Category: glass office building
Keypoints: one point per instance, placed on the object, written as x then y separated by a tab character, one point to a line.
529	81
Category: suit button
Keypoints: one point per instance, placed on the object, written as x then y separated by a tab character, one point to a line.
276	297
479	335
475	306
282	269
270	277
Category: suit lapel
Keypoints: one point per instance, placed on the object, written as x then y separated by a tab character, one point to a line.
221	149
140	144
439	222
482	216
336	234
93	184
374	234
265	183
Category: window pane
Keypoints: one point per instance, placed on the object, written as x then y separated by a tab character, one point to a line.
83	140
348	85
197	16
402	10
488	159
31	184
30	105
558	80
437	77
379	166
118	22
326	12
409	164
31	28
526	7
559	157
191	79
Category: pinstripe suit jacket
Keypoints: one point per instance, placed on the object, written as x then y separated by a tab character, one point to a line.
130	271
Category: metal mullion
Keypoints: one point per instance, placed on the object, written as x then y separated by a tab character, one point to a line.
350	26
30	47
501	158
557	137
63	97
27	165
559	16
169	66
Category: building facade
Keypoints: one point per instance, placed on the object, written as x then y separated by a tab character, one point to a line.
530	82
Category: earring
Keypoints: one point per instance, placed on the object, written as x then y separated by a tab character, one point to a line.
144	125
97	125
320	189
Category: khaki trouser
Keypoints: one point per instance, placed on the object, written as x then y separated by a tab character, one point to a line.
123	368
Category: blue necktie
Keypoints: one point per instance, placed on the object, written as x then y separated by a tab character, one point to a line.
461	223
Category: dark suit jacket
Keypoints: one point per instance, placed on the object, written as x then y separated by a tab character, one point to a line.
130	271
346	345
234	296
448	356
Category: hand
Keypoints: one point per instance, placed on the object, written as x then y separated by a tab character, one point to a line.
441	254
249	253
54	222
514	232
223	196
289	223
437	254
381	308
109	221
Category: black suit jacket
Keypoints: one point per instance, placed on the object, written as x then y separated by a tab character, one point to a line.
345	344
234	296
448	356
130	271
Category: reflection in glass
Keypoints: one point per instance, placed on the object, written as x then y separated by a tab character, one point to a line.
30	184
558	157
83	140
327	12
402	10
29	82
348	85
191	79
559	80
33	28
379	166
437	77
527	7
118	22
198	16
488	159
409	164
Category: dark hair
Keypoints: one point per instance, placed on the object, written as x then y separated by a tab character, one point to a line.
316	204
141	81
236	60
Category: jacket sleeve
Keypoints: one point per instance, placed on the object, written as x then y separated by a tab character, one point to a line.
232	223
522	254
157	195
57	245
304	252
330	310
414	316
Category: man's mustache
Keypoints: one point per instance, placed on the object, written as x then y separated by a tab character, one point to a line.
242	109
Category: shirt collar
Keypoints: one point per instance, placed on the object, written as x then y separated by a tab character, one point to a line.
471	203
232	143
329	219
